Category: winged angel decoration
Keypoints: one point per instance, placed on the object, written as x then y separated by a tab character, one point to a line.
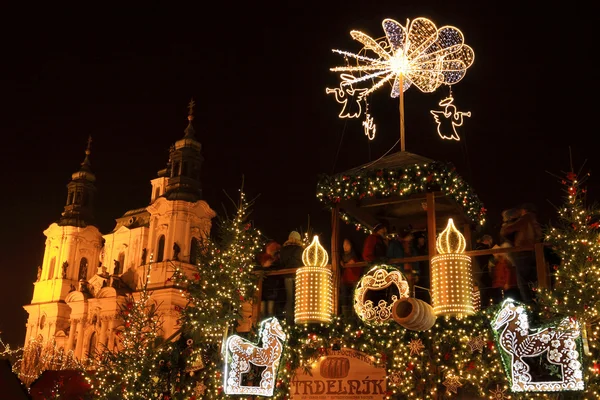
417	53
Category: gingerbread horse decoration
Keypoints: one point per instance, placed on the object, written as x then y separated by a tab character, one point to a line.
243	354
560	343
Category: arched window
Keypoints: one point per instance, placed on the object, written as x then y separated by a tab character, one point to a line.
51	269
175	171
92	345
70	199
161	248
194	251
43	321
156	193
77	197
83	267
185	171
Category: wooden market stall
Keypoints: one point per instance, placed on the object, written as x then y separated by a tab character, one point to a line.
403	189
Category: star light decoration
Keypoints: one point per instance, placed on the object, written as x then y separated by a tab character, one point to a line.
452	384
498	393
417	53
476	344
416	345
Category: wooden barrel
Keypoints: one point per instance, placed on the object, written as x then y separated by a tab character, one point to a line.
335	367
413	314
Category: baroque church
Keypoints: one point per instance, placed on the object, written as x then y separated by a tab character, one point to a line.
85	275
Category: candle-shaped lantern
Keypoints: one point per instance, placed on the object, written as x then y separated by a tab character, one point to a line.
451	283
314	286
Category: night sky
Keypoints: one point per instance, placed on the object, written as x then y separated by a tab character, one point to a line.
258	74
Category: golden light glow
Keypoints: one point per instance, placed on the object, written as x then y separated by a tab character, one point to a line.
314	286
448	119
314	255
450	240
314	295
379	278
451	275
419	52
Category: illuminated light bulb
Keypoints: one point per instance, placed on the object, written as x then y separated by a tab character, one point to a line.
451	283
314	286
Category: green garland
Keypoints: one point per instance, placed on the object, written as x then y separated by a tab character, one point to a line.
403	181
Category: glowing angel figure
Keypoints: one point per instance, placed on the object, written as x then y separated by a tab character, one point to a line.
345	92
417	54
449	118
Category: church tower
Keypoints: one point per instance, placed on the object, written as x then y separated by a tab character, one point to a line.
71	253
86	276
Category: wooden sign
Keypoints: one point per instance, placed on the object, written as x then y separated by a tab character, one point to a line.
340	375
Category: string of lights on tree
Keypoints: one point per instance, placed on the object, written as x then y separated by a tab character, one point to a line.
129	370
216	290
404	181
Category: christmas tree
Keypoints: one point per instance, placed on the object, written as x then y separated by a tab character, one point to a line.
221	285
575	239
129	370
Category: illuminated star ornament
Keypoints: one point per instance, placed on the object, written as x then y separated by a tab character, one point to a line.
448	119
417	53
476	344
452	384
498	393
416	345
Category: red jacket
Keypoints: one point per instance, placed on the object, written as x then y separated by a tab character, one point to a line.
503	273
374	248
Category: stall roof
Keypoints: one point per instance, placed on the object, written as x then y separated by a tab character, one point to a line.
394	189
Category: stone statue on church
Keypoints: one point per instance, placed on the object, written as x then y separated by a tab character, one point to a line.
39	273
64	269
117	269
144	253
176	250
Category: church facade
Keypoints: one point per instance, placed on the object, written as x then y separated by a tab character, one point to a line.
86	275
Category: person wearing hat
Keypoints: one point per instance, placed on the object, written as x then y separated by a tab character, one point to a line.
504	276
524	231
375	246
290	256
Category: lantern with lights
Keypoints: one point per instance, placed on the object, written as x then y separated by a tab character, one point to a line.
314	286
452	283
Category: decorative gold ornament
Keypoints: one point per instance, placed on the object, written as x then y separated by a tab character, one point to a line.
200	388
241	354
498	394
314	286
476	344
379	278
415	345
560	343
451	283
452	384
448	119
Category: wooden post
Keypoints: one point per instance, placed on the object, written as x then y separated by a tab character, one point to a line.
431	229
256	305
468	237
542	270
335	258
401	106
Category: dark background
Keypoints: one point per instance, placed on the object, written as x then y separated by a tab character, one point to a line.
258	73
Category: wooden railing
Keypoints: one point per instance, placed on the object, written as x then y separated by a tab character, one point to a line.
543	272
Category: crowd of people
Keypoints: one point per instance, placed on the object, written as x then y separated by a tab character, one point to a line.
497	276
